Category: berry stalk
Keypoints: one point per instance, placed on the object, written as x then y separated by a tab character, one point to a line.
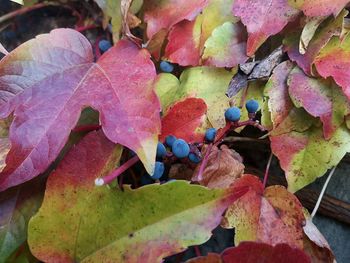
121	169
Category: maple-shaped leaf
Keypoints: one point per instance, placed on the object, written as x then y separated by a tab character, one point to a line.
319	7
161	14
272	215
333	61
166	87
330	27
142	225
112	11
186	120
226	47
224	166
209	84
186	40
17	206
320	98
47	81
305	156
263	19
252	252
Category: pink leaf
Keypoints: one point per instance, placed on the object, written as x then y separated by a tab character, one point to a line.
47	81
263	19
166	13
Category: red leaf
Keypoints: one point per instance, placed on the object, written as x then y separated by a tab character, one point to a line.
47	81
272	216
184	120
183	48
263	19
333	61
251	252
166	13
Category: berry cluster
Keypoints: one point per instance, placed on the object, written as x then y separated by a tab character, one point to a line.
180	149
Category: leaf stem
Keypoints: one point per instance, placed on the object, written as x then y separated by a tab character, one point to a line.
322	192
121	169
266	176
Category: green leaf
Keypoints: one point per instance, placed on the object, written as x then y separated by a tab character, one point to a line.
105	224
209	84
306	156
226	47
111	10
166	87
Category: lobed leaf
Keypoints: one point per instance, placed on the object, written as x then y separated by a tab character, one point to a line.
163	221
263	19
47	81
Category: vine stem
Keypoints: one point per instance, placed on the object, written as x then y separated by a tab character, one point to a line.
266	176
121	169
322	193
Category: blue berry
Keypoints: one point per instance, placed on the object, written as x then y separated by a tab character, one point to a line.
104	45
180	148
146	179
165	66
210	134
233	114
194	158
158	171
252	106
169	140
161	151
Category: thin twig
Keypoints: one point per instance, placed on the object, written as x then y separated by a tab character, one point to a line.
322	192
244	139
266	176
24	10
